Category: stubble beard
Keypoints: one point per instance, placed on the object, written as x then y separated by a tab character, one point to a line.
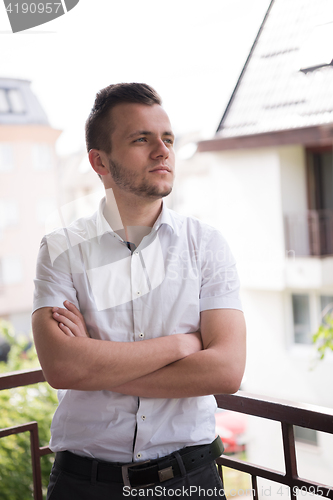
132	184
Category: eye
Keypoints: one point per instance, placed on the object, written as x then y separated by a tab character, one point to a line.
169	141
140	139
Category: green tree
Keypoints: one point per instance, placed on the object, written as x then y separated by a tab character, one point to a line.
17	406
323	338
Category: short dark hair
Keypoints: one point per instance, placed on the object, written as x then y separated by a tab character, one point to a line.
99	124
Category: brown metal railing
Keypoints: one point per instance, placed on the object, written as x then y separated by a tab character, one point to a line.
289	415
18	379
309	233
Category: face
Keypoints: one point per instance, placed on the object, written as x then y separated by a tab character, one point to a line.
142	157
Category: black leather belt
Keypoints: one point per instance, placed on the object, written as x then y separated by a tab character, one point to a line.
140	474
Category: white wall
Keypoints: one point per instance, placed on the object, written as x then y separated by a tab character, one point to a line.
293	179
239	192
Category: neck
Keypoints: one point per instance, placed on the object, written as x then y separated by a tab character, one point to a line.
131	218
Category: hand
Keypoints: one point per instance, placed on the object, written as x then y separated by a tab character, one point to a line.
70	320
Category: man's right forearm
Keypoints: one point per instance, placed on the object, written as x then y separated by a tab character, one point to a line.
92	365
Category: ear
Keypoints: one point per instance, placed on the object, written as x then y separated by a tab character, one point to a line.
98	161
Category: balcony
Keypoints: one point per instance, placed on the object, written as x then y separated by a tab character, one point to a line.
309	249
286	414
309	233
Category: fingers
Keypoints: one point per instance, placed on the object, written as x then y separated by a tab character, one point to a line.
73	327
64	313
71	318
71	307
66	330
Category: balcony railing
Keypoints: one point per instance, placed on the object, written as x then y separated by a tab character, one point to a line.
274	410
309	233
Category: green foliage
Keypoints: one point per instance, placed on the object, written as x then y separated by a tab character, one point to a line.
324	335
17	406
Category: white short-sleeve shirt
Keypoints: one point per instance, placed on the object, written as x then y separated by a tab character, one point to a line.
182	267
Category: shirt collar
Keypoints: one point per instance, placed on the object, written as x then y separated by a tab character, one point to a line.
102	226
165	217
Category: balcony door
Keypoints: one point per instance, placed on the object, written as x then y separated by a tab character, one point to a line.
320	180
320	200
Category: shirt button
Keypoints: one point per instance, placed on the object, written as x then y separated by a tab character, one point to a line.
143	417
138	293
138	455
136	252
141	335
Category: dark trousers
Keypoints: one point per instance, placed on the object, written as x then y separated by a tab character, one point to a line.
197	484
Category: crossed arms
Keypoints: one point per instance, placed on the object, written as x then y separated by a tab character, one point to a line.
181	365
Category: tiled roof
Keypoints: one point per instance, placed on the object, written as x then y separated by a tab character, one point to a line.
272	93
18	104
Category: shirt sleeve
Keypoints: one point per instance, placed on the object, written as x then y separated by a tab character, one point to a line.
219	278
53	283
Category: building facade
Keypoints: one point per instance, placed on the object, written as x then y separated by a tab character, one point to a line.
28	194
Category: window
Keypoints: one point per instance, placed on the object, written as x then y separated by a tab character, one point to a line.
308	436
44	208
9	213
6	157
320	200
326	305
16	101
320	179
4	104
301	317
42	156
308	311
10	270
11	101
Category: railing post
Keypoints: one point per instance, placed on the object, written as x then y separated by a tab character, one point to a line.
289	455
35	459
314	233
254	487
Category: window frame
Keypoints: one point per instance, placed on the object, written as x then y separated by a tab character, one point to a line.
11	104
11	166
38	151
315	315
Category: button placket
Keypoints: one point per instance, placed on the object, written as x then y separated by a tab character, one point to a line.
138	278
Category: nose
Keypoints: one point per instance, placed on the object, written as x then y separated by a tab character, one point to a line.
160	149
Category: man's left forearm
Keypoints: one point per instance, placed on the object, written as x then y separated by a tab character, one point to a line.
217	369
202	373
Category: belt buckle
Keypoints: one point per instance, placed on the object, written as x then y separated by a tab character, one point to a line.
126	480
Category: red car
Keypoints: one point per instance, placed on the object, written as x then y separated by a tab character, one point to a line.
231	427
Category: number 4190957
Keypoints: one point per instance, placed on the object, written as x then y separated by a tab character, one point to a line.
33	8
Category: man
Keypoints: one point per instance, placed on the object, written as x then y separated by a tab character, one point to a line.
137	321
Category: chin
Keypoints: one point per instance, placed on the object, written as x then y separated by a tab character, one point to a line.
167	192
158	191
164	191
